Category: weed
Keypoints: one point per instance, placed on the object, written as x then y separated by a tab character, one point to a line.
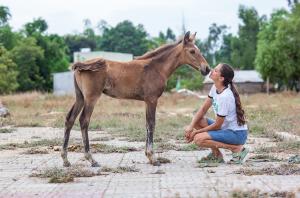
120	169
284	169
7	130
35	151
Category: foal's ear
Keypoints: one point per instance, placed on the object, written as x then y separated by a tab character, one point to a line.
193	37
186	38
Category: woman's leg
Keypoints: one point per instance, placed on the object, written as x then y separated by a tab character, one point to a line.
203	123
204	140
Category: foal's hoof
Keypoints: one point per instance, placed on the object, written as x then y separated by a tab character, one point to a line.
67	164
156	163
95	164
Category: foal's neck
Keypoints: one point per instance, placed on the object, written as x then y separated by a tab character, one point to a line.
169	64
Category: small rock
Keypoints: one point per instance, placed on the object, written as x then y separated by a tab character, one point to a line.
56	148
4	112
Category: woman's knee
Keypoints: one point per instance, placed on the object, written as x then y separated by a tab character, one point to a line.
201	137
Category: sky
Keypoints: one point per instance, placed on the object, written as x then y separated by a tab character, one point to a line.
67	16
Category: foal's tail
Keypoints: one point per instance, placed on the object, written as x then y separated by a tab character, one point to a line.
78	92
77	106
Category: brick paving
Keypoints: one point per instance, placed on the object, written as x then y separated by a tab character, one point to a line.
180	178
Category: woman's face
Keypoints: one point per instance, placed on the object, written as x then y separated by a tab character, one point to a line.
215	74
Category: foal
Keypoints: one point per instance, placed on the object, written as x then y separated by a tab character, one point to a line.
142	79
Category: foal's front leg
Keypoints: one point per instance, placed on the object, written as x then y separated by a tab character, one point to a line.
150	126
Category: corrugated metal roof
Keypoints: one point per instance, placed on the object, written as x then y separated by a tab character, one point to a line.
241	76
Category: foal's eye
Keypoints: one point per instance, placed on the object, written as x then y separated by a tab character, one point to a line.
192	51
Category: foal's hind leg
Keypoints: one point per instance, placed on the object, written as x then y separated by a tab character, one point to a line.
84	124
70	119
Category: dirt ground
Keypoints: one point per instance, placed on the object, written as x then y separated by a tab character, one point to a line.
30	166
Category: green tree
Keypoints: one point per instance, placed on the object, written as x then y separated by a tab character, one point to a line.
26	54
76	42
55	57
125	37
278	53
38	26
293	2
4	15
162	39
87	39
223	55
212	44
8	72
244	46
8	38
189	78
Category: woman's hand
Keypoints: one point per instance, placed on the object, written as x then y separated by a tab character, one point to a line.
188	130
191	136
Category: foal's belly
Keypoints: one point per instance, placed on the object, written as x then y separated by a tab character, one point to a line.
125	90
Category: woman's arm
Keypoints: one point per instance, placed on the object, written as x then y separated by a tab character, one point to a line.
201	112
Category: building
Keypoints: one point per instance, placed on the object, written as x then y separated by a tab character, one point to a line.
63	82
247	81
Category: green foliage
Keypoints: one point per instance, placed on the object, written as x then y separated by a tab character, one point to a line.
76	42
162	39
38	26
240	50
278	55
189	78
27	55
126	38
8	72
54	57
210	46
8	38
244	46
4	15
54	52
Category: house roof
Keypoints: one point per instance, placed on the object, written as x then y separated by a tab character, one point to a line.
241	76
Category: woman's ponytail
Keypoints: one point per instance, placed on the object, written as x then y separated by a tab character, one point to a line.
240	113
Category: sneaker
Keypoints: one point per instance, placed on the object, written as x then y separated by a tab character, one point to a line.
210	158
240	157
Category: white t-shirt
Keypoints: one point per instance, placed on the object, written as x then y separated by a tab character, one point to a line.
224	106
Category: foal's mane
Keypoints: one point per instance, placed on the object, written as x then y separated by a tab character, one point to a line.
158	51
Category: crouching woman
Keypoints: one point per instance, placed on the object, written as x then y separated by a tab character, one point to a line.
229	129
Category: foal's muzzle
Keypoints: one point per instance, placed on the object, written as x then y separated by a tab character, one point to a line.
206	71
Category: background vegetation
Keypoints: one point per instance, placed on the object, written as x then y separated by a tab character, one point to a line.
271	45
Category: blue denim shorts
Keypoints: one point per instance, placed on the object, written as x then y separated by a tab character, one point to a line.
228	136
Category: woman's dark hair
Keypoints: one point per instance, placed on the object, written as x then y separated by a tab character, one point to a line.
228	74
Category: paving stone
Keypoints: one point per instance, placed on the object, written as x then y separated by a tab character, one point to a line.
180	178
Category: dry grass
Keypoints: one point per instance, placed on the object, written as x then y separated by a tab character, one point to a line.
101	139
126	118
119	169
104	148
163	160
284	169
36	151
160	146
26	144
61	175
7	130
255	193
264	158
273	113
286	147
